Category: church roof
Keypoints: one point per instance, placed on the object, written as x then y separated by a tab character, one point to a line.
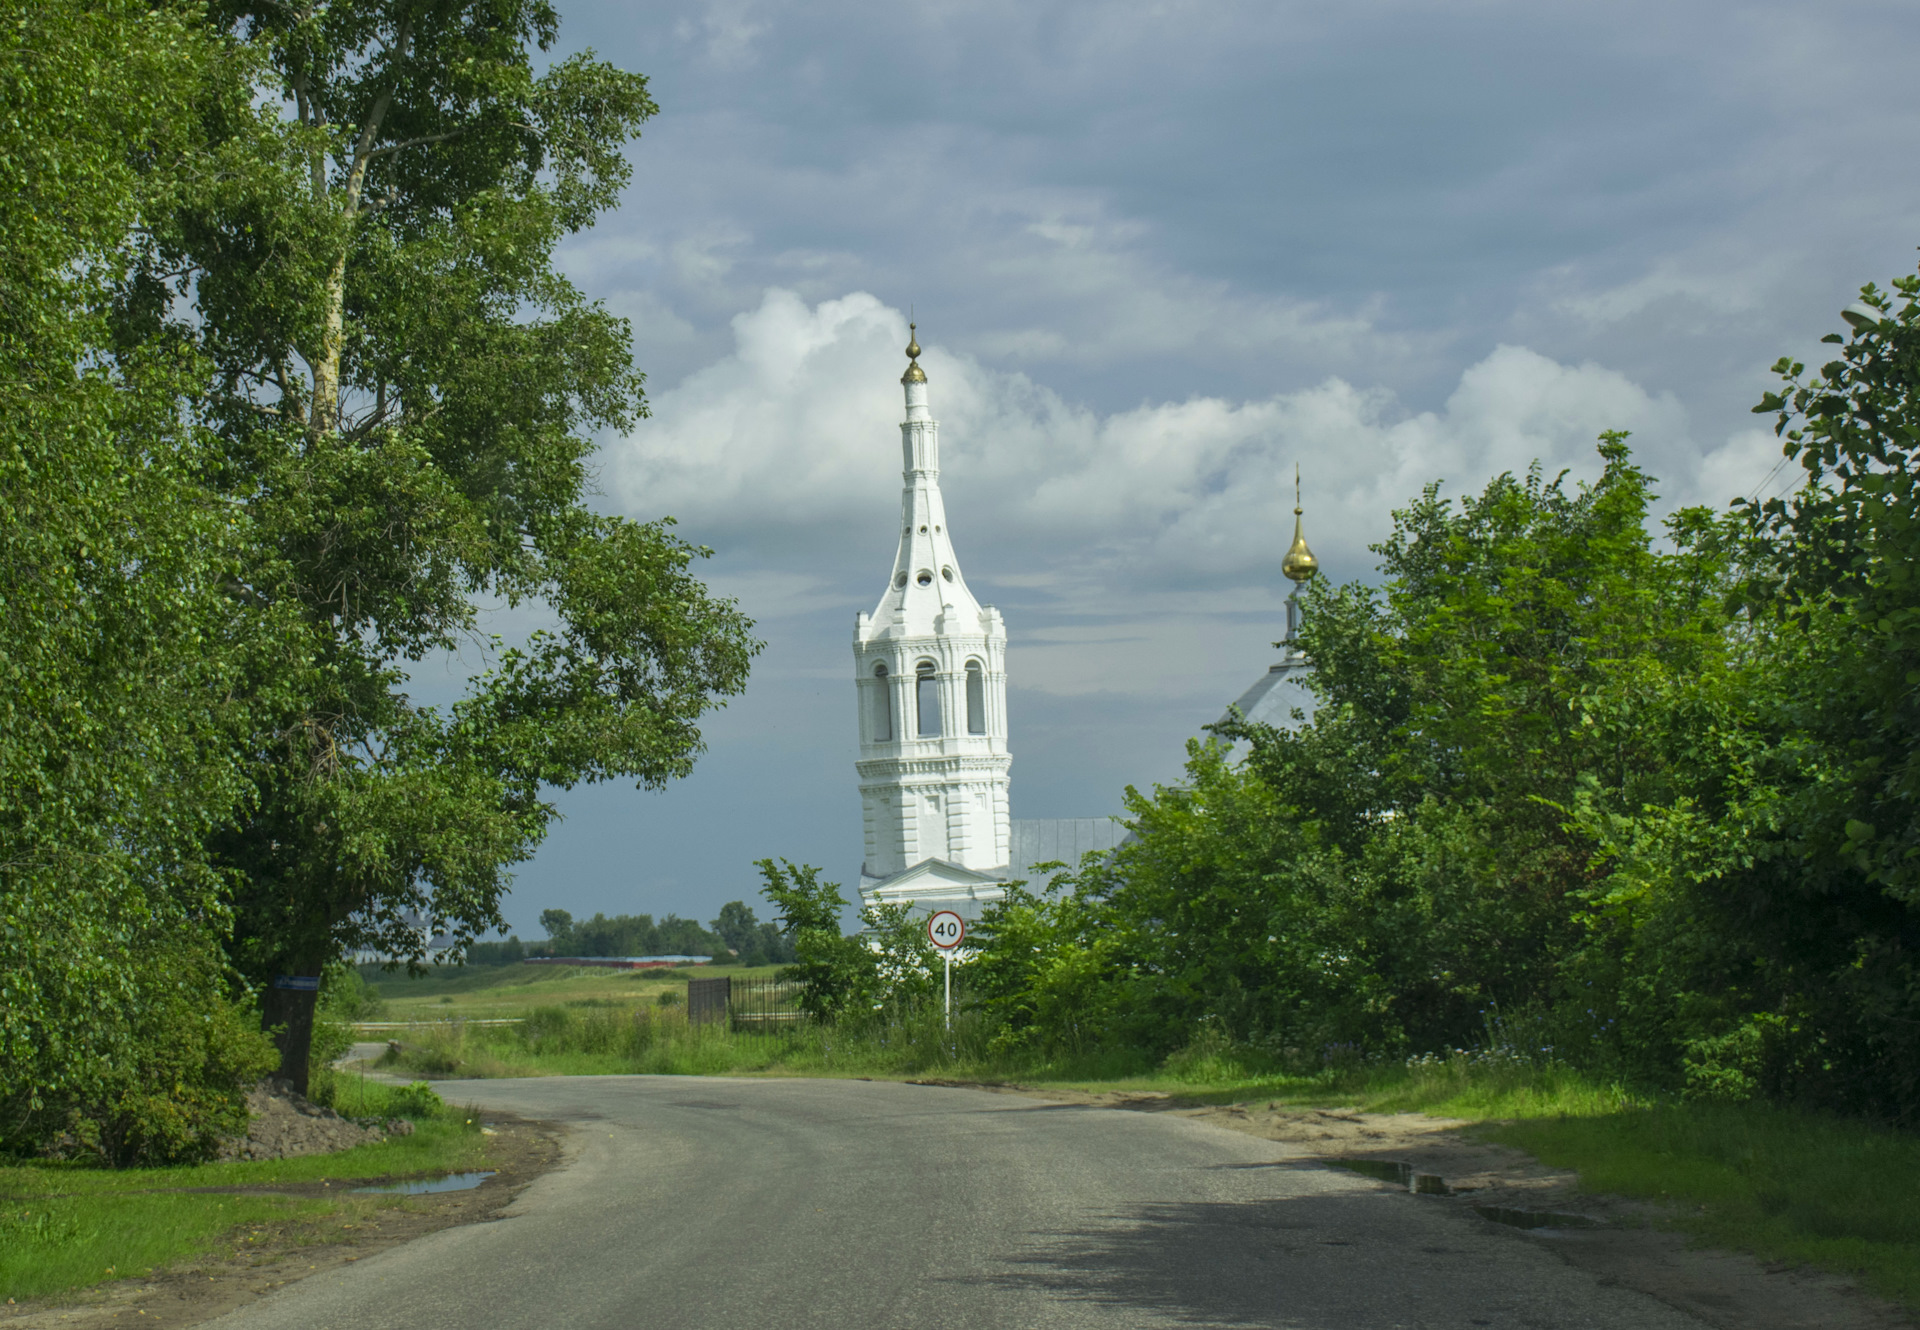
1268	703
926	595
930	875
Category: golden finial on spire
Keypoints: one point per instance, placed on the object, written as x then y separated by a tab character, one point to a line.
914	373
1299	563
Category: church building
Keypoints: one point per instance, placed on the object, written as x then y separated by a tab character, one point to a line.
930	667
1267	702
930	680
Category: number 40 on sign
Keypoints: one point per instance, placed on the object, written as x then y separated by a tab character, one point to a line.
947	930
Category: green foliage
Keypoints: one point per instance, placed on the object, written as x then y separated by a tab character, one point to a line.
1767	911
908	970
121	649
1384	876
290	380
836	973
180	1091
416	1100
510	952
1656	804
627	935
1044	969
405	390
751	941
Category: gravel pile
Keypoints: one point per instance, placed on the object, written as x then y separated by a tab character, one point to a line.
282	1123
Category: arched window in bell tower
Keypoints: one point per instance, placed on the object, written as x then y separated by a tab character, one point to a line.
927	700
976	699
882	706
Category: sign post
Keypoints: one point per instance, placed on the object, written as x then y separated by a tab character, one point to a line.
947	931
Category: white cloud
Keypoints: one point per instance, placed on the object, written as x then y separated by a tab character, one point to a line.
726	33
789	444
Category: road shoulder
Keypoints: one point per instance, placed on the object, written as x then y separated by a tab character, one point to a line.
249	1267
1632	1243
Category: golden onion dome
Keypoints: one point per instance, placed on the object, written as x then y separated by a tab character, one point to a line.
914	373
1299	563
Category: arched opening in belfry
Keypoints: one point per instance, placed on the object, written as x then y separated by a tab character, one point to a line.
882	705
927	700
976	699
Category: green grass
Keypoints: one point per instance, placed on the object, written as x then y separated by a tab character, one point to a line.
53	1244
64	1227
507	990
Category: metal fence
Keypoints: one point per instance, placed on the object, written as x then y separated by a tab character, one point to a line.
707	999
759	1004
745	1004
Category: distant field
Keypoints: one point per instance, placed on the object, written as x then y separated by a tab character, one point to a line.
482	991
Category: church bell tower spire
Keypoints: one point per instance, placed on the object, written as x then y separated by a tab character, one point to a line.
1298	564
930	674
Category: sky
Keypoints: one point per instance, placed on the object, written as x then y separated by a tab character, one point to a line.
1159	255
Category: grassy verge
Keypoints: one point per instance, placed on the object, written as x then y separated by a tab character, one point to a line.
1783	1185
63	1227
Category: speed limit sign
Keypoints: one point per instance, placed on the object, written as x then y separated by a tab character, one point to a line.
947	929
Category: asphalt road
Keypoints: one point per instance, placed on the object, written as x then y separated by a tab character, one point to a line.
777	1204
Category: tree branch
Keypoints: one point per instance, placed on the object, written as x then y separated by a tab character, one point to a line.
414	143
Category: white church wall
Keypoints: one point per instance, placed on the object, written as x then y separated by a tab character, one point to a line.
932	787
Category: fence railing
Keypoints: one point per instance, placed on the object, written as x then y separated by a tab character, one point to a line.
744	1004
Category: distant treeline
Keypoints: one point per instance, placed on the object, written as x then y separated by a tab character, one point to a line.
736	935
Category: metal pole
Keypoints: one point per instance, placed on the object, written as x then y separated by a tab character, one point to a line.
949	955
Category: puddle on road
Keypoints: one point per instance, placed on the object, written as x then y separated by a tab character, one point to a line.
1399	1174
451	1182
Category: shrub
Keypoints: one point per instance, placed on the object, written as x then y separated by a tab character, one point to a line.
417	1101
195	1052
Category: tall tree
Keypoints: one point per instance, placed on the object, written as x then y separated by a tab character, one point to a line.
1847	542
1799	847
120	653
1386	872
408	391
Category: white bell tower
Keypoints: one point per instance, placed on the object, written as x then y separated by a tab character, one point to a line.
931	678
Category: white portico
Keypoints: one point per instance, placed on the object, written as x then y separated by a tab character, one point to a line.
930	674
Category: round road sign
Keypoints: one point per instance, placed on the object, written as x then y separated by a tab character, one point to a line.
947	929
